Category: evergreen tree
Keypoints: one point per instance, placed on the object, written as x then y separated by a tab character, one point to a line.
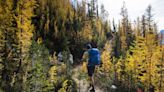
149	19
143	26
123	29
8	47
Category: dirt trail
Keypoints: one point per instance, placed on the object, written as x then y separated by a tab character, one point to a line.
82	84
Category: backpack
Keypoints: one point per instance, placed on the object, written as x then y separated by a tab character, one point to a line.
94	57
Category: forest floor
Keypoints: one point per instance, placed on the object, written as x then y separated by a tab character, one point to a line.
82	82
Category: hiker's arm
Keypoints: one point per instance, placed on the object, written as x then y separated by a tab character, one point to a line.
85	56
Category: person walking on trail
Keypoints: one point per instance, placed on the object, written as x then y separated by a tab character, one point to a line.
93	57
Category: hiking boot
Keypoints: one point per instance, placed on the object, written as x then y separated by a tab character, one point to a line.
93	89
90	87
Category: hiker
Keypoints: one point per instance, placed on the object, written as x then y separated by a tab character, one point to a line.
93	57
71	59
60	57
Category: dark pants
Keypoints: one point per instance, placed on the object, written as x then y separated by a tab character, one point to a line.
91	70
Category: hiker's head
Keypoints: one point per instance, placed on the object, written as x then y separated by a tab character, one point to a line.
88	46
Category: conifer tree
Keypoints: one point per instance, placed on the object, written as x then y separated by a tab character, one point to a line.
135	59
7	46
24	34
143	64
149	19
106	59
125	31
143	26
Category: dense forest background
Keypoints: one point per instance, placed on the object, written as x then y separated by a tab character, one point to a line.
33	32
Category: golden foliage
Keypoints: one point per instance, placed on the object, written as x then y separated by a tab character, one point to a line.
143	63
107	65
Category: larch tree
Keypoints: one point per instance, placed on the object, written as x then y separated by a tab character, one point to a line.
142	64
8	47
136	61
24	33
107	69
106	59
